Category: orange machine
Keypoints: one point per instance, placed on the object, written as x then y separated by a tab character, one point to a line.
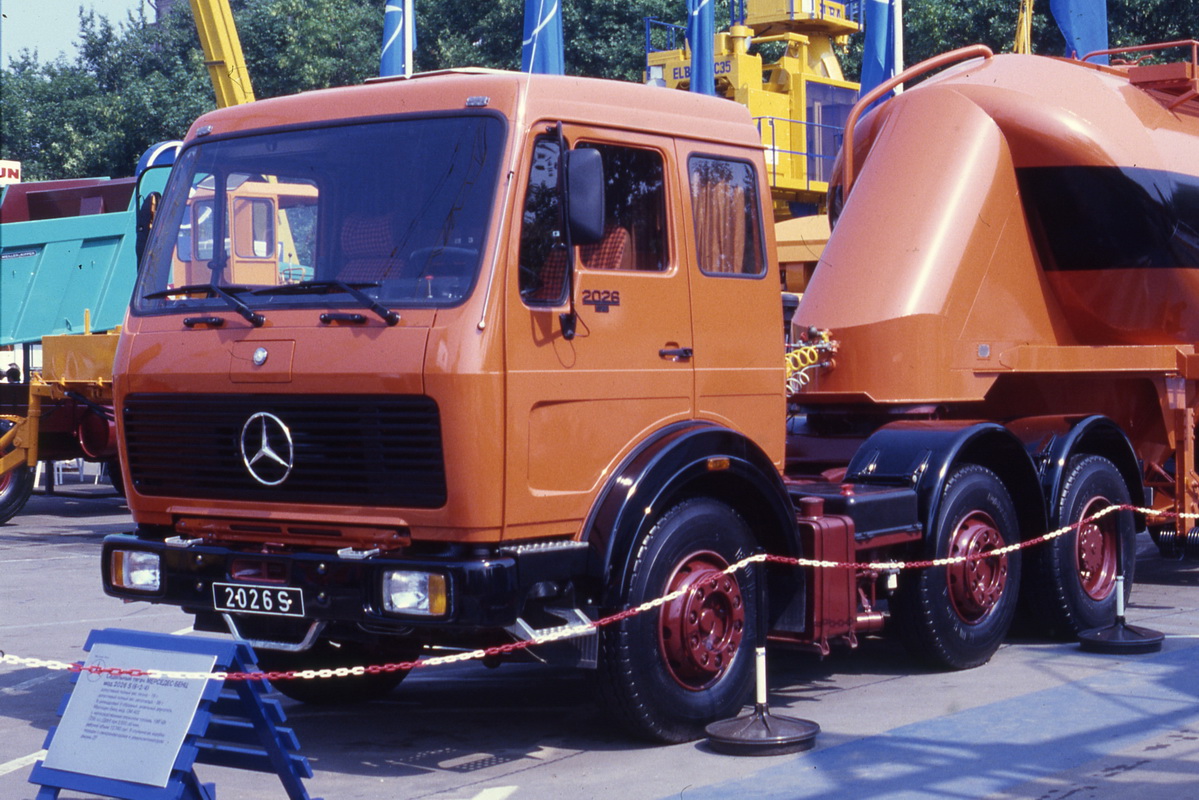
263	250
1053	278
536	376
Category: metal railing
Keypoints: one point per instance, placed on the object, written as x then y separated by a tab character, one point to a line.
667	32
817	165
1191	43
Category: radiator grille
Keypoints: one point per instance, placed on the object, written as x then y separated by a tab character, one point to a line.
357	450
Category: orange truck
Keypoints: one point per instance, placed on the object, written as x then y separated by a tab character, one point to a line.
535	374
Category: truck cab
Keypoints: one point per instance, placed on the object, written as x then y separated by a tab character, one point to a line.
521	320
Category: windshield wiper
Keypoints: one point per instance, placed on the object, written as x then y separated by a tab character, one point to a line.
325	287
226	293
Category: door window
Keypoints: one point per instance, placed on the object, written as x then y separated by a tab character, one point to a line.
634	211
728	229
542	244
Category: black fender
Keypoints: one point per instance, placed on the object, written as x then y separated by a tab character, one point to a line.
684	460
922	454
1051	441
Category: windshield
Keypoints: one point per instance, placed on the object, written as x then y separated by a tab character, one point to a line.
394	210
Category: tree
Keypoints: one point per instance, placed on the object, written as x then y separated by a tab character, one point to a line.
141	82
126	89
935	26
296	45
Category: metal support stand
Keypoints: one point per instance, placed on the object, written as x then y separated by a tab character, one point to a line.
1120	637
760	733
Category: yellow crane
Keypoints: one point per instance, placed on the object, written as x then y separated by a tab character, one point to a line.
76	373
231	78
1023	43
222	52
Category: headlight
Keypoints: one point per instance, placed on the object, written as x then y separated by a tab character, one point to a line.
135	570
418	593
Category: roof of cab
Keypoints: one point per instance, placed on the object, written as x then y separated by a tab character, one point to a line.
523	97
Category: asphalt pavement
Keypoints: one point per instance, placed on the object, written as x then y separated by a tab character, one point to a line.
1041	720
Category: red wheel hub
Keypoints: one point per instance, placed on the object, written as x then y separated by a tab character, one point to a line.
1095	551
975	586
700	632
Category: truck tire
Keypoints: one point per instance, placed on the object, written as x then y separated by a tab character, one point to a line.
667	673
1072	579
330	655
956	616
115	476
16	486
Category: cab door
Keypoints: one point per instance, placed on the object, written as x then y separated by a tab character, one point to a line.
736	304
576	405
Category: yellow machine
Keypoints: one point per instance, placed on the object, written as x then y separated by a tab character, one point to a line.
799	101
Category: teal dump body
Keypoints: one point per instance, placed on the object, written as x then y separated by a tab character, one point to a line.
67	247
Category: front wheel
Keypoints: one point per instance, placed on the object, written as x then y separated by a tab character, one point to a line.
667	673
1072	579
326	654
956	616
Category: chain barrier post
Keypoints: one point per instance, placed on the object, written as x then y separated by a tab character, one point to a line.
1120	637
761	733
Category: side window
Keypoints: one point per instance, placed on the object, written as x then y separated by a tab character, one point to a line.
202	229
297	225
254	227
728	229
634	213
543	261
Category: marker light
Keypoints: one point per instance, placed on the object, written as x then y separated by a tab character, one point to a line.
417	593
136	570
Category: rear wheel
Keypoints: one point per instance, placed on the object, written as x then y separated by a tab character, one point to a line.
335	655
16	485
667	673
956	616
1072	579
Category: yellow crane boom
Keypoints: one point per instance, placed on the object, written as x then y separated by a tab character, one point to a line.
222	52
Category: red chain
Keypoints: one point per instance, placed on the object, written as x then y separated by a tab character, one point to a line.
505	649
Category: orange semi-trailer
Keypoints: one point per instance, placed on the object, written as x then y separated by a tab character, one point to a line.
531	373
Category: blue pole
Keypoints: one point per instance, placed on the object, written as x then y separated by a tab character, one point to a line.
399	35
701	29
881	27
1083	24
542	48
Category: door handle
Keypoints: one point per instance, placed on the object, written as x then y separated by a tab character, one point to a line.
676	353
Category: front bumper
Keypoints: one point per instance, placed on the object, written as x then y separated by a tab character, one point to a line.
485	591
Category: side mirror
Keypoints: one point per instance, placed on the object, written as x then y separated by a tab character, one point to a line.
151	180
585	195
146	211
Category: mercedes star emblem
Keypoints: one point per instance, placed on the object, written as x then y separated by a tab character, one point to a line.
267	449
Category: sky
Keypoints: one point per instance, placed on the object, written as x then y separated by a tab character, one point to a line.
52	26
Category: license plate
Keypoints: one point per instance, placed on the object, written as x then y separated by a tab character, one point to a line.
243	598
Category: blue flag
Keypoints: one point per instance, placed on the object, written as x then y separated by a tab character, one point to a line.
1084	24
541	50
701	29
399	38
882	46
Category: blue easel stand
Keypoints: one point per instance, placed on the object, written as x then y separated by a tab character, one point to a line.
236	725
